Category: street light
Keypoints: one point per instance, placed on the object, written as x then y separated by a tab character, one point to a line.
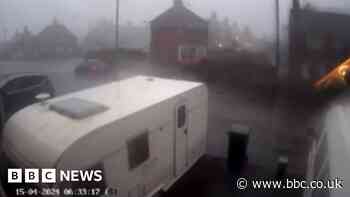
277	34
117	26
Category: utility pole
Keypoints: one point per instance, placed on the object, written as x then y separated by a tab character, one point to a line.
277	34
117	26
5	33
276	89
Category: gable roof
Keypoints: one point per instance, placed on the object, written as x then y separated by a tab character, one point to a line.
56	31
179	16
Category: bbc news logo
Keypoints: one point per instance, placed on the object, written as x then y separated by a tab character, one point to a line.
31	175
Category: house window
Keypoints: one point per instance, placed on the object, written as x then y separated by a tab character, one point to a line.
186	53
190	52
138	150
315	43
181	116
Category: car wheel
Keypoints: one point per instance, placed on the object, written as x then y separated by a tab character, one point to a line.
50	89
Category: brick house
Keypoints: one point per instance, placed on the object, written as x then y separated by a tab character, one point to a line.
319	40
179	36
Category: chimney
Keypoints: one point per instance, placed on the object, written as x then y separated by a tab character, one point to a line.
178	3
55	21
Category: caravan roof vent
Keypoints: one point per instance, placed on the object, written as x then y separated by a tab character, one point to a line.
77	108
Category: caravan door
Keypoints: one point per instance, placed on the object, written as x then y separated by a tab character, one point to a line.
181	141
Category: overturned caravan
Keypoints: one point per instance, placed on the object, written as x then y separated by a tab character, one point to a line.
143	133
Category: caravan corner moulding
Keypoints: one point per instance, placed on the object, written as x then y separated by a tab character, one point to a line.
144	133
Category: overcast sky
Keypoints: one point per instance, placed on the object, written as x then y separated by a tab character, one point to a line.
79	14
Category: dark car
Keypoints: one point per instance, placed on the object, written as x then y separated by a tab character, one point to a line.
92	66
20	90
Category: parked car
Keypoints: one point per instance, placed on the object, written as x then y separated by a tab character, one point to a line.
20	89
92	66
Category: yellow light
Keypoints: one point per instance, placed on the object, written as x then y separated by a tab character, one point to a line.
342	70
336	76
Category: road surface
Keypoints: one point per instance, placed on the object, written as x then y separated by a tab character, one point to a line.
60	72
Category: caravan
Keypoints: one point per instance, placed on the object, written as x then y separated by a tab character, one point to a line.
143	133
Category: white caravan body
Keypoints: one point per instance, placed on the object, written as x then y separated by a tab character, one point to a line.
150	132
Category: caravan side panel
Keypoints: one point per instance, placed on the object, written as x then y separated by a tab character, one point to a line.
198	115
159	121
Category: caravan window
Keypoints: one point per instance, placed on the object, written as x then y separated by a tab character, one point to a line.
138	150
181	116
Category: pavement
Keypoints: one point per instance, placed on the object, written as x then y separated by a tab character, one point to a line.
255	101
218	181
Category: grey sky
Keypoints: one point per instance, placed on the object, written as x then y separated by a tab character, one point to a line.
79	14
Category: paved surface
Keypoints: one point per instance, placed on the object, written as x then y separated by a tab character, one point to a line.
61	72
217	181
251	100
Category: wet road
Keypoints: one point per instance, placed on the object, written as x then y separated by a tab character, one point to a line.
60	72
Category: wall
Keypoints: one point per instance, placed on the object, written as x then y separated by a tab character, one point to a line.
165	41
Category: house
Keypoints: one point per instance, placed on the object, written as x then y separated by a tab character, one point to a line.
21	46
57	41
318	40
179	36
5	50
